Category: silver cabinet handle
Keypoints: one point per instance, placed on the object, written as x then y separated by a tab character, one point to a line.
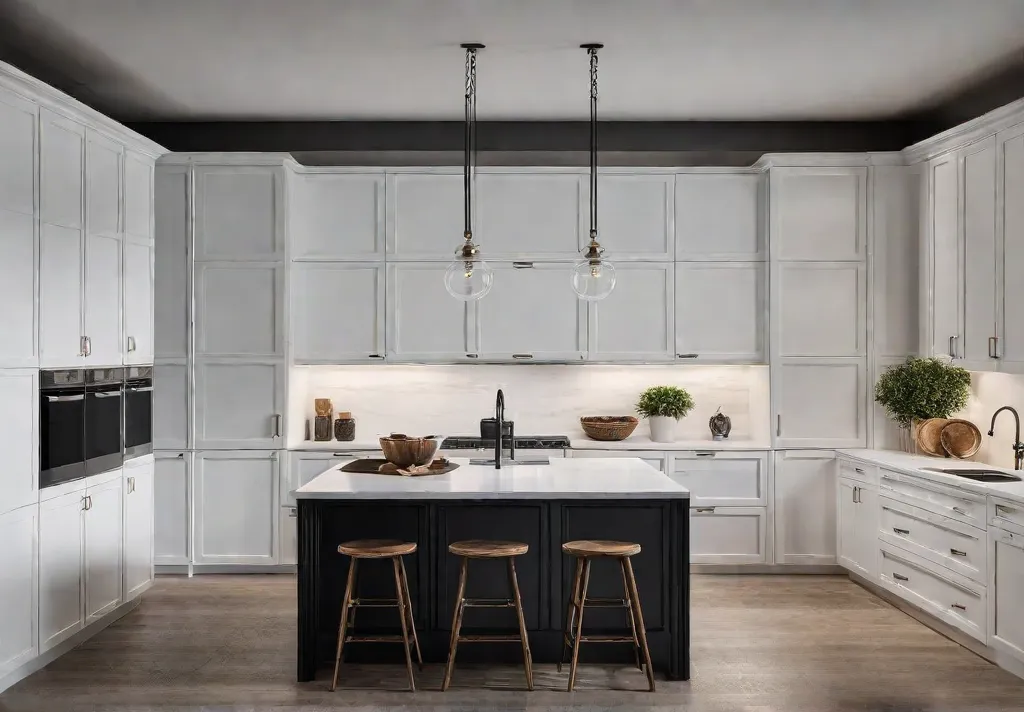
778	425
522	265
472	355
142	389
857	469
708	510
900	577
131	485
856	495
959	510
991	347
343	454
958	607
81	346
277	425
687	355
64	399
106	394
704	454
522	356
952	351
88	346
375	356
901	531
85	504
957	552
131	344
181	456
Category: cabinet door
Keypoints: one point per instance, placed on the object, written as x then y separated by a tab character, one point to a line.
728	535
171	274
818	308
532	313
102	185
235	506
171	517
820	402
979	251
867	531
18	639
635	215
60	568
528	215
424	322
946	288
18	277
425	218
138	195
239	309
1011	288
720	311
138	303
239	213
1006	581
138	527
239	405
337	216
170	406
19	420
60	297
818	214
337	312
104	553
805	507
847	525
723	479
61	175
718	217
636	321
18	146
104	341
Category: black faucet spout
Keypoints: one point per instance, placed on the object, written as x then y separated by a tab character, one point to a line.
499	416
1018	446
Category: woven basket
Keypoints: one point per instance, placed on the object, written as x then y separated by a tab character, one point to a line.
608	427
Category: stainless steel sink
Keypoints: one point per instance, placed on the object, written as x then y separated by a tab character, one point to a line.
976	474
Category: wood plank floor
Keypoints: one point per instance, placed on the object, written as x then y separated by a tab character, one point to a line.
760	643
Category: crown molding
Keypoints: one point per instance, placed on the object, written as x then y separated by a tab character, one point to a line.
242	158
836	160
982	127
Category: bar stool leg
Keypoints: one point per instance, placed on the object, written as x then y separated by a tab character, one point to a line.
641	630
412	621
570	611
527	657
632	618
456	624
400	595
579	624
343	625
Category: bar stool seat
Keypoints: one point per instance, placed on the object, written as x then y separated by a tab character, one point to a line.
376	548
483	549
593	548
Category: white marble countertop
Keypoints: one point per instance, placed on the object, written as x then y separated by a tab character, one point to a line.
597	478
643	442
912	465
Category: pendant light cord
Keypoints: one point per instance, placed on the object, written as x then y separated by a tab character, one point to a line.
593	142
469	139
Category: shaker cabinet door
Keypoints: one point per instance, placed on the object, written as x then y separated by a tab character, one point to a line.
946	285
819	309
805	507
424	322
635	214
719	217
104	541
720	311
1011	326
820	402
818	214
979	253
171	516
239	405
239	213
104	339
61	542
239	309
236	508
337	312
138	303
61	251
337	216
18	280
636	322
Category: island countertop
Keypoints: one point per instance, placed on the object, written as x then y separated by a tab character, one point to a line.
597	478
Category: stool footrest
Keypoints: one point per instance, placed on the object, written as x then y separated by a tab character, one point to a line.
488	603
374	603
397	638
489	639
606	603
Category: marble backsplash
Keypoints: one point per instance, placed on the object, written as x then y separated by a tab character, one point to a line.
541	399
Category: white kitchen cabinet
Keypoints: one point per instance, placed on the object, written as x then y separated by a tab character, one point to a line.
19	442
138	196
18	145
104	552
719	217
819	309
805	507
979	253
946	292
1010	248
818	214
635	215
102	185
425	217
239	309
722	479
528	215
61	585
1006	581
532	314
103	334
138	303
239	213
137	545
170	406
819	402
337	216
18	587
897	216
636	322
172	276
720	311
657	460
857	512
239	404
728	535
61	174
60	297
424	322
171	515
337	312
18	278
236	508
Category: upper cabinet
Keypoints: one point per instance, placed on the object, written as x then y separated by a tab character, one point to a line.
171	274
424	322
634	213
337	312
138	303
719	217
944	230
17	154
528	215
819	308
102	185
239	213
424	215
138	196
239	309
818	214
636	322
62	156
720	311
1010	222
337	216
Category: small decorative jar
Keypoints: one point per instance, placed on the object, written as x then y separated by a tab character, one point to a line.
322	428
344	427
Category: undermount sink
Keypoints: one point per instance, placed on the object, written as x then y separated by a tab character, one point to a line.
979	475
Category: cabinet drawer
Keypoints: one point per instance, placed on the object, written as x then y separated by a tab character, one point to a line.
951	502
723	479
943	541
860	471
950	597
728	535
1006	514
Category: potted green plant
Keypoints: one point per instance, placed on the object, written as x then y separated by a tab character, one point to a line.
921	388
663	406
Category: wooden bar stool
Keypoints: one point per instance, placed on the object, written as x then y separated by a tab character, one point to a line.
572	636
487	550
378	549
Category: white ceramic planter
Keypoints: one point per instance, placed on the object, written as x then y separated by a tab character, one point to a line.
663	428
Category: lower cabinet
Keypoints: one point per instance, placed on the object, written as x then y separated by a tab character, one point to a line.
1006	592
138	525
103	548
61	543
728	535
18	619
857	510
805	507
171	515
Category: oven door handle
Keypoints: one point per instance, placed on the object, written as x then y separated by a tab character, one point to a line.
65	399
143	389
106	394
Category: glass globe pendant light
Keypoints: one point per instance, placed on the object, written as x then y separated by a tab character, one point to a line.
593	278
468	277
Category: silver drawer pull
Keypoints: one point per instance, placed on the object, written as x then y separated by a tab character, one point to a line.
958	607
959	510
709	510
522	356
900	577
857	469
901	531
704	454
687	355
957	552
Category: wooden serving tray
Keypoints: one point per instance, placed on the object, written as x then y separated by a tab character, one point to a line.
379	466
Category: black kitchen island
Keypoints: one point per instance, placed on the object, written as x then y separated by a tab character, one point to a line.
541	505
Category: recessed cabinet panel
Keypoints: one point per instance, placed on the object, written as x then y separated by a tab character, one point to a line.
528	215
723	479
239	310
805	507
819	403
138	195
60	296
18	277
425	218
103	549
238	213
979	225
61	542
337	216
103	301
62	148
337	312
728	535
17	154
424	321
172	309
138	303
634	215
18	587
19	419
239	405
138	527
818	213
820	309
1006	581
946	284
170	406
1011	348
532	313
236	517
636	321
720	311
171	509
102	185
718	217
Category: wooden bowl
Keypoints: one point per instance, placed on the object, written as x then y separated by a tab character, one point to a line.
608	427
928	436
404	451
960	438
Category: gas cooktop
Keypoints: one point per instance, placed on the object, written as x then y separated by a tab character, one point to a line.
523	442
